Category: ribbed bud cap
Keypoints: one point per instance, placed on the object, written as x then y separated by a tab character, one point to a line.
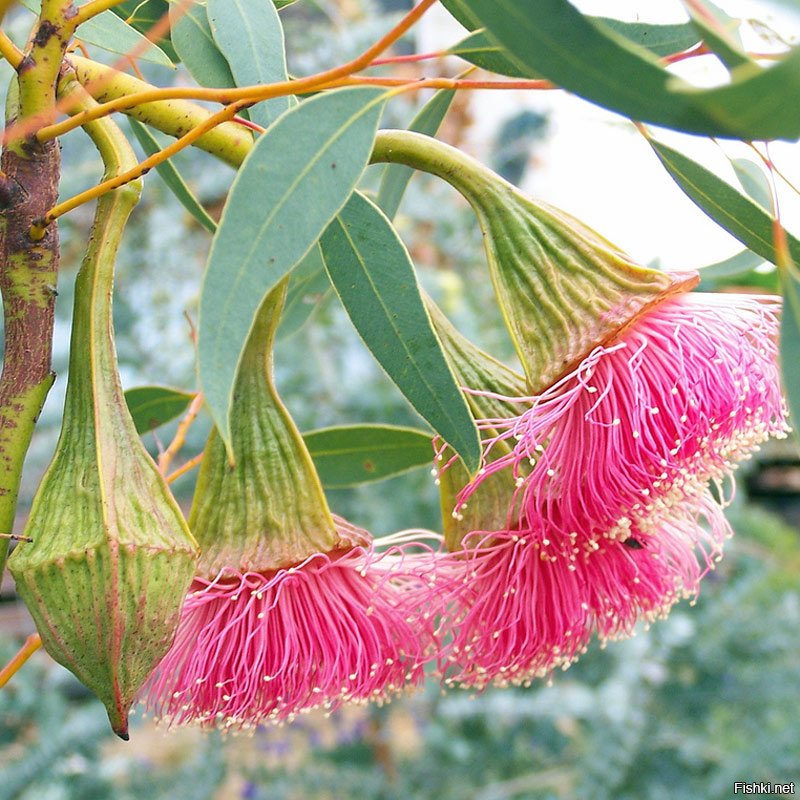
111	558
267	510
489	506
563	289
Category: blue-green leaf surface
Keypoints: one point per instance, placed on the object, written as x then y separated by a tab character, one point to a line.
373	275
291	185
194	43
250	35
171	177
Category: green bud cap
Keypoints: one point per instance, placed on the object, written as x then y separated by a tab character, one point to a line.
111	558
563	289
267	510
488	507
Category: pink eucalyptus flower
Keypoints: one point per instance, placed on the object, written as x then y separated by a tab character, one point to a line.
530	602
264	646
675	399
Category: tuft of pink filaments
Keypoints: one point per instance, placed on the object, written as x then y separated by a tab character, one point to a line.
530	601
677	399
265	646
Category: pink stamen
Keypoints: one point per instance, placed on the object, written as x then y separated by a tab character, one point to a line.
644	422
256	647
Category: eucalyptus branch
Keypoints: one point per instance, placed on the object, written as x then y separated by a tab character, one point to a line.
249	94
95	7
120	179
39	69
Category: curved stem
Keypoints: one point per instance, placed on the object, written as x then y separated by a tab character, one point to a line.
31	645
248	94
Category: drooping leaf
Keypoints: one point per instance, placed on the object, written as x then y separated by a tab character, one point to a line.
661	40
152	406
754	181
720	32
170	175
595	62
308	287
728	207
294	181
194	43
373	275
733	271
790	343
482	51
395	177
350	455
142	15
250	35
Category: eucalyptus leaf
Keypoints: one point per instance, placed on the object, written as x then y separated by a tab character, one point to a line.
661	40
482	51
250	36
589	58
293	182
153	406
308	287
194	43
741	216
142	15
753	180
733	271
395	178
108	32
171	177
350	455
719	32
373	275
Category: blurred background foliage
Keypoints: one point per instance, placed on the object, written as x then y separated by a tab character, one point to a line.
703	699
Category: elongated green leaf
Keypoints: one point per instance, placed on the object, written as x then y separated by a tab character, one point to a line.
738	270
590	59
395	177
194	43
143	15
350	455
152	406
482	51
661	40
308	287
734	211
291	185
729	272
108	32
754	181
170	175
373	275
790	343
720	32
250	35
